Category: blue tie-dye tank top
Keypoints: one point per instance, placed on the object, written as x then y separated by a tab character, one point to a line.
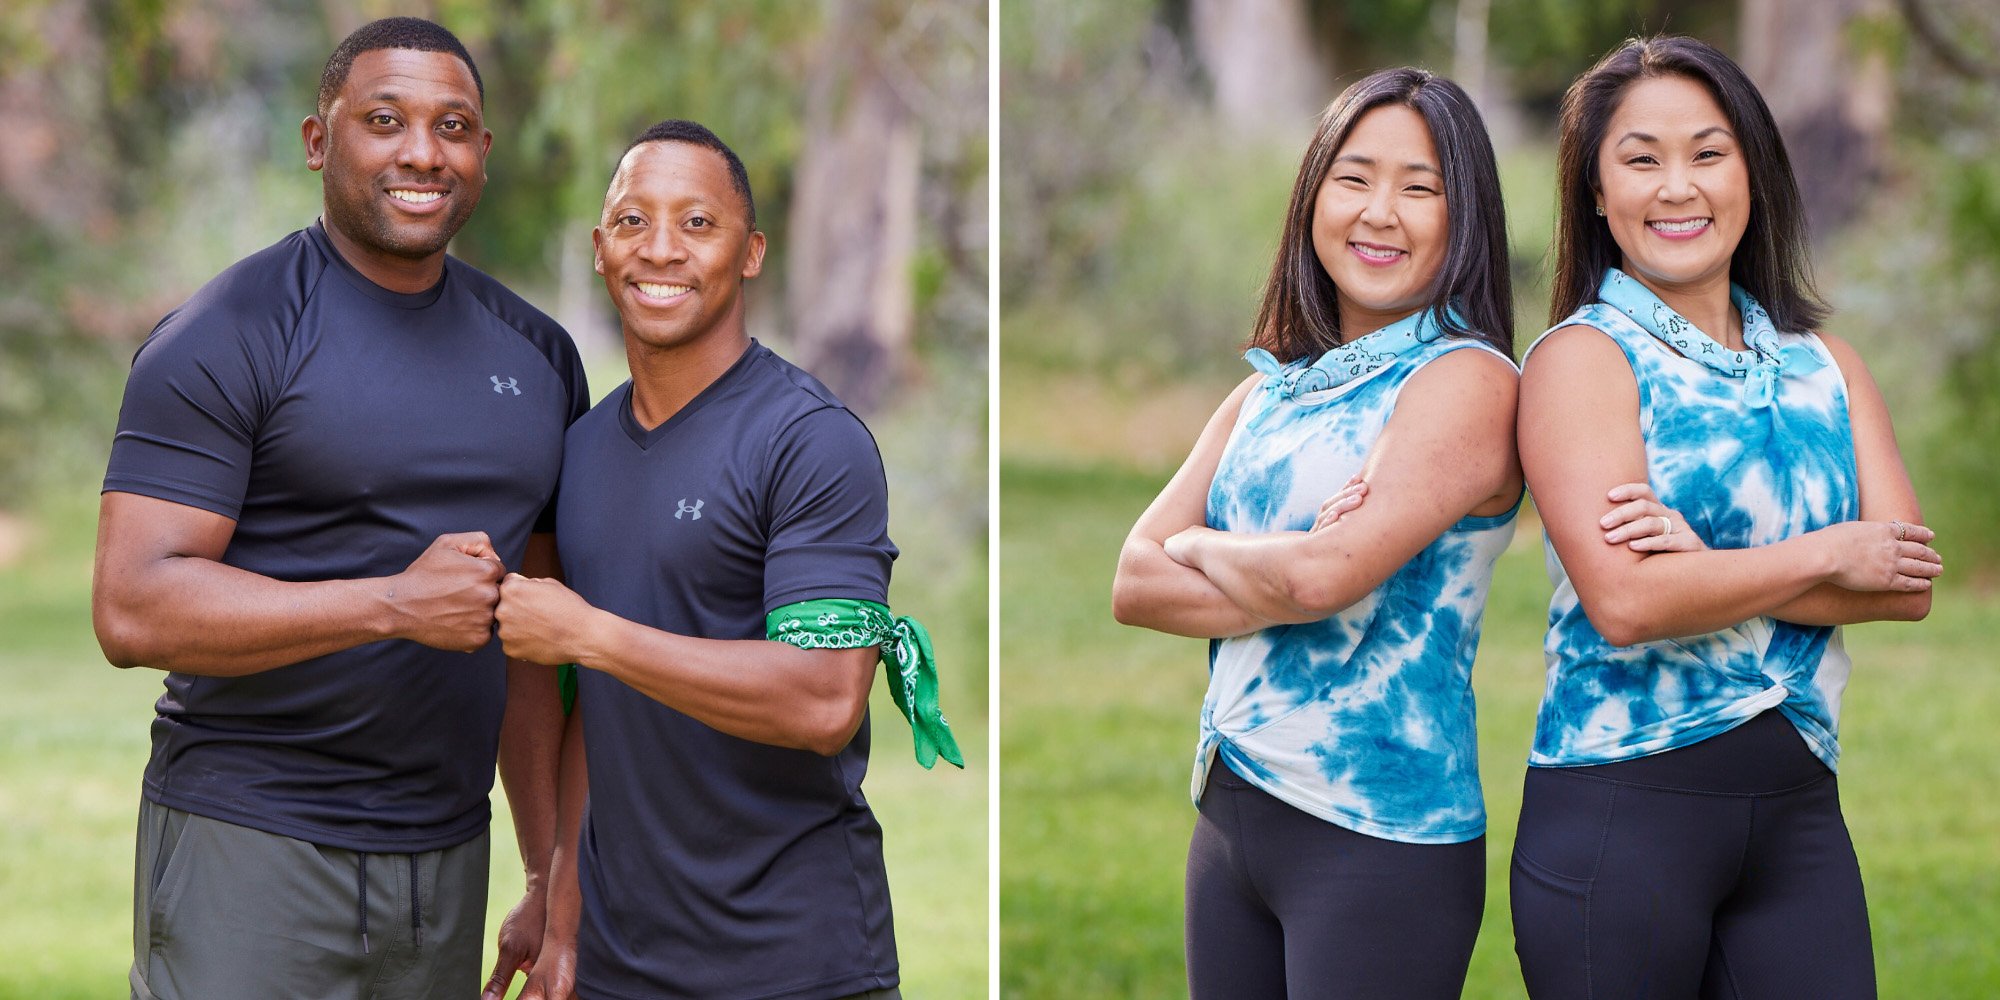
1751	447
1363	719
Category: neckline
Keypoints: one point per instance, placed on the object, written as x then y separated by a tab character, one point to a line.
1631	298
1348	362
401	300
646	439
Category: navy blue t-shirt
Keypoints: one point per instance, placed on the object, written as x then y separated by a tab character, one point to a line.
344	427
713	866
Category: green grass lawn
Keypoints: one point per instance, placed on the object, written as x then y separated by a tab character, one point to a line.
1098	726
73	742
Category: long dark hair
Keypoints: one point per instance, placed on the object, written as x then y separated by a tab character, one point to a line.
1300	314
1770	261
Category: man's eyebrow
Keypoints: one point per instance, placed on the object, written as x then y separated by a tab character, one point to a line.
459	104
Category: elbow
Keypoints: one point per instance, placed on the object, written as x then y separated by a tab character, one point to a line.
1127	596
1915	608
1621	623
121	636
1125	601
1311	593
833	724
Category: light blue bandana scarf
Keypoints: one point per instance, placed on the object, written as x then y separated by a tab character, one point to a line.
1760	367
1349	361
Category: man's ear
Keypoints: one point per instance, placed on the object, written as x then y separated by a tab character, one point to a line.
753	265
313	132
597	248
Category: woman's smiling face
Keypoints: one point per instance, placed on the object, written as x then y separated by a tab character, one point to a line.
1379	221
1673	183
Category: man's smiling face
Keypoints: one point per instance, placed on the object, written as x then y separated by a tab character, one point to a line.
675	244
403	150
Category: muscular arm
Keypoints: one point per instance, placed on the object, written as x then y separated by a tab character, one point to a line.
1447	451
1579	435
161	596
755	689
1153	591
1886	495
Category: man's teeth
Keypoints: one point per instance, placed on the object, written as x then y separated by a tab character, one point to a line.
1679	227
1377	253
415	197
661	291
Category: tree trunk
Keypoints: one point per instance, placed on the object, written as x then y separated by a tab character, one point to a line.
1260	60
1832	103
852	232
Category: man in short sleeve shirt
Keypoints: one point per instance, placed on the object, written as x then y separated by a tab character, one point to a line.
325	460
726	850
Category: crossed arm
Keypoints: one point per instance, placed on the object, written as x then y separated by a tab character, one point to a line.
1580	441
1447	451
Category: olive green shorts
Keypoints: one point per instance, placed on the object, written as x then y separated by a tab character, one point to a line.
224	912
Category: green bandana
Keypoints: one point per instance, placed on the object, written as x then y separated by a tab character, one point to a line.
906	647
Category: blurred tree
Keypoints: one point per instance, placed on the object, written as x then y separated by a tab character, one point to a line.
1832	98
1263	70
883	77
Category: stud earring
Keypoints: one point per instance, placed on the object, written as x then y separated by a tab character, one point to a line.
1600	209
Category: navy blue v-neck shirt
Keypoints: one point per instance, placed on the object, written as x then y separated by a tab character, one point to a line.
713	866
344	427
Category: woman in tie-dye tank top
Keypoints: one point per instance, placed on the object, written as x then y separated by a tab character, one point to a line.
1721	492
1339	848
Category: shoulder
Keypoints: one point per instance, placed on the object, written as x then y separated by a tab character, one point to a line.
260	296
1854	372
515	312
1843	352
1574	347
1471	381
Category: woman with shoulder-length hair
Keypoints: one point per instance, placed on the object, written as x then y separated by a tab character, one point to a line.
1339	847
1721	491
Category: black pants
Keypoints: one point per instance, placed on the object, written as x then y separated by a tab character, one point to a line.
1286	906
1717	870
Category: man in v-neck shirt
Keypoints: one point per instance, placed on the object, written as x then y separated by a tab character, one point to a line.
726	849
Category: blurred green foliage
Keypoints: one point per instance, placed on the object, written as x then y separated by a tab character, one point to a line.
150	144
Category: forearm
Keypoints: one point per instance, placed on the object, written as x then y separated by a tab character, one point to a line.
754	689
1153	591
1828	604
531	746
198	616
1270	575
565	897
1672	594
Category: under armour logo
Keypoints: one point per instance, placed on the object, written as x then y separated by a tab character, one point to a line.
685	509
509	385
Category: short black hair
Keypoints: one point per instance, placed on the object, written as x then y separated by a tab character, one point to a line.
1770	262
1300	314
412	33
696	134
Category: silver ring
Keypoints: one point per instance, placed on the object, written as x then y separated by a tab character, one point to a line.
1902	531
1669	522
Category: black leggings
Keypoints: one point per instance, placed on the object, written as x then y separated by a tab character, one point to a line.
1282	905
1717	870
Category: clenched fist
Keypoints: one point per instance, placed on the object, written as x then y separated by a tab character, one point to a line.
541	621
446	597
